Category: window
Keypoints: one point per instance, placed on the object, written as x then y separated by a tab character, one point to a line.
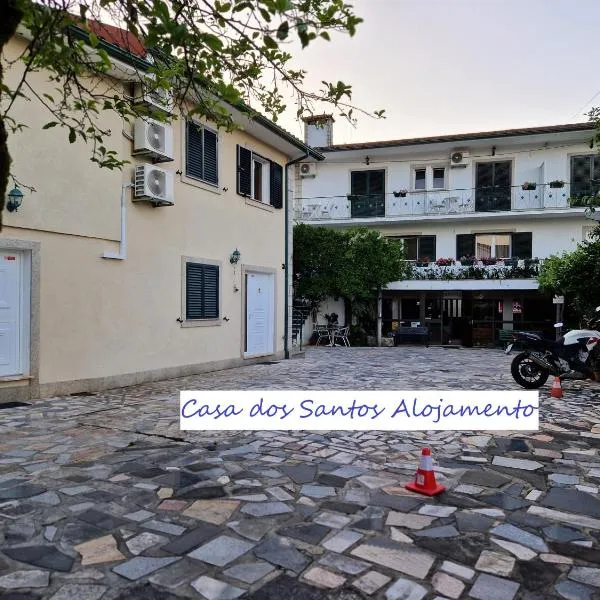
259	178
420	179
494	245
439	178
418	247
367	193
492	183
201	291
201	153
585	175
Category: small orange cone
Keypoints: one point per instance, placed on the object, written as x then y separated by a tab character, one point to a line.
425	478
556	388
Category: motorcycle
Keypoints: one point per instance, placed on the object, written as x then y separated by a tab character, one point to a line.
568	357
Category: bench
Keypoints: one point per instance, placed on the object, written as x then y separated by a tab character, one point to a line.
411	334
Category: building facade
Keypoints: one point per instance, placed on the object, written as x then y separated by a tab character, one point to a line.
173	266
477	214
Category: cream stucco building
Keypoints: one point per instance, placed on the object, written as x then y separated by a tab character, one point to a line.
100	288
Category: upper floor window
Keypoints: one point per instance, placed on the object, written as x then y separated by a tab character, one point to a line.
201	160
367	193
439	178
259	178
420	179
494	245
419	248
585	175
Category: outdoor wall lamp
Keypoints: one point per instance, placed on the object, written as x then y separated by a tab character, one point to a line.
15	198
235	257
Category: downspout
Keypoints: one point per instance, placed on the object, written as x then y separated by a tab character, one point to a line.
286	337
122	254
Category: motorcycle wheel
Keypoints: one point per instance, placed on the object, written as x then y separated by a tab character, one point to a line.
527	373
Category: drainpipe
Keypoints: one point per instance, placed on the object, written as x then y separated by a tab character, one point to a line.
121	255
286	337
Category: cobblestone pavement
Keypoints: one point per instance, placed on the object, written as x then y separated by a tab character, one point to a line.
102	497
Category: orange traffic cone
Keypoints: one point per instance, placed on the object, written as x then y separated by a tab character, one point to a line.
425	478
556	388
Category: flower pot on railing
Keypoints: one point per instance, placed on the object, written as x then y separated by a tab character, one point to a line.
529	185
557	184
400	194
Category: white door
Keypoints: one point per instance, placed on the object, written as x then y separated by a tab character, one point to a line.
11	319
259	313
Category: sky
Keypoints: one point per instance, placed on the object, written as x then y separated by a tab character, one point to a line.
458	66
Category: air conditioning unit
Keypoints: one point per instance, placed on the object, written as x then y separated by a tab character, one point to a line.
151	138
459	159
154	185
308	170
149	95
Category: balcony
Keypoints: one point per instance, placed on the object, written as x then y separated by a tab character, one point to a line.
434	203
501	269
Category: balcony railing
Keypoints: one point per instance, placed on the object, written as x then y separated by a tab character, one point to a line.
434	202
507	269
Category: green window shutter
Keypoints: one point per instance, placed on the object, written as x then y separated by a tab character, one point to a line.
194	155
244	171
426	247
522	245
211	171
465	245
276	185
202	291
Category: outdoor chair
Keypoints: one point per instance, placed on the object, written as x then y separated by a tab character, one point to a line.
342	335
323	333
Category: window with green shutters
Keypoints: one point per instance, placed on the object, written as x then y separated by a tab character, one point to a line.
585	175
201	291
259	178
419	248
494	245
367	193
201	153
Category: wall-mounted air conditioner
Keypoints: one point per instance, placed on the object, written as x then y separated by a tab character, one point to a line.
308	169
151	138
459	159
153	97
154	185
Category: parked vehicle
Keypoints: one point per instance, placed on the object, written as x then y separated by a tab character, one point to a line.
570	357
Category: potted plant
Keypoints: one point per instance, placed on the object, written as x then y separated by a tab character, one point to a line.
468	260
423	262
511	262
444	262
557	183
529	185
488	261
400	194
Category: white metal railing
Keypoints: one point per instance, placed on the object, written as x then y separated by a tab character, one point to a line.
433	202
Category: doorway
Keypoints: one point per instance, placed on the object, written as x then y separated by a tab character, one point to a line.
259	314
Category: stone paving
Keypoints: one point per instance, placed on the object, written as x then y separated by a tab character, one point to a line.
103	498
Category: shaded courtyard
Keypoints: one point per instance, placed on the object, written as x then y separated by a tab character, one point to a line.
103	497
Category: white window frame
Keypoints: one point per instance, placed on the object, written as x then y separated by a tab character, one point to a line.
433	187
414	179
266	179
493	250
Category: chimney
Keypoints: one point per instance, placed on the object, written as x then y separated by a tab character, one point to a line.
318	130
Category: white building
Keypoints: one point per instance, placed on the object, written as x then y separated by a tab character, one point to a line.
499	200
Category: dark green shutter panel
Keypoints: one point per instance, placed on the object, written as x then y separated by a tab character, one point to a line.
194	151
211	292
193	291
522	245
465	245
276	185
202	291
426	247
244	171
210	157
358	183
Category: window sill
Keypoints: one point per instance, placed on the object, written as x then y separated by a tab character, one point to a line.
259	204
201	323
209	187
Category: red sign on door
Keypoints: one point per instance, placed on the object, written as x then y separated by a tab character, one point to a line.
10	258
